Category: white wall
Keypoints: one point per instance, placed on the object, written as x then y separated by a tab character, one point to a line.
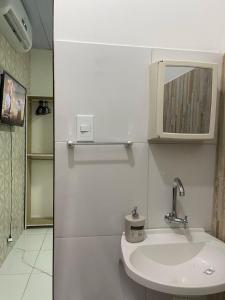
96	187
187	24
41	73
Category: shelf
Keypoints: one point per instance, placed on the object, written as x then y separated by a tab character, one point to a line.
40	156
37	98
47	221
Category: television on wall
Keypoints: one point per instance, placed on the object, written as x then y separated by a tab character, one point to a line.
12	101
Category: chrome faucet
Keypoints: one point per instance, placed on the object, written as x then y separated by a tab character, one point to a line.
172	216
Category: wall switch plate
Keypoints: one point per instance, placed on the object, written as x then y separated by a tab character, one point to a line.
85	128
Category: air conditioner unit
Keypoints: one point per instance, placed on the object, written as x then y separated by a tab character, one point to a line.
15	25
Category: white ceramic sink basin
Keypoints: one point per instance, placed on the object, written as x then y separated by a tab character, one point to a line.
177	261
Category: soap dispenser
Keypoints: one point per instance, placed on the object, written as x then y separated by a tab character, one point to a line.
134	227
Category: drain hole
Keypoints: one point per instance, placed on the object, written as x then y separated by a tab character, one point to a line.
209	271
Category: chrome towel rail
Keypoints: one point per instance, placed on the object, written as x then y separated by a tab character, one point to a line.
73	143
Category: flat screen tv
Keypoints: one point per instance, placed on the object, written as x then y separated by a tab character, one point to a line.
12	101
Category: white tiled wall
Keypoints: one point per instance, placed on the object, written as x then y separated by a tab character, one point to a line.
108	81
89	268
96	186
195	165
153	295
98	192
100	184
186	24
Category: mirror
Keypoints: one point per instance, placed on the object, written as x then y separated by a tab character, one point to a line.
183	100
187	99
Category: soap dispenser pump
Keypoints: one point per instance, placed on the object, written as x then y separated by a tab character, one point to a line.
134	227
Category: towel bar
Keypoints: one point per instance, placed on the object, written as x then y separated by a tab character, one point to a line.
73	143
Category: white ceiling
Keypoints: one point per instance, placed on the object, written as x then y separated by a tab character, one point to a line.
40	13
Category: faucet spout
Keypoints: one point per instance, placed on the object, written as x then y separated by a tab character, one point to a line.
172	217
178	184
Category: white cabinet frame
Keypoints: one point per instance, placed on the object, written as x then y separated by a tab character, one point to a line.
157	81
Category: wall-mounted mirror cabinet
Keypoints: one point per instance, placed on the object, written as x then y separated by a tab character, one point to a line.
183	98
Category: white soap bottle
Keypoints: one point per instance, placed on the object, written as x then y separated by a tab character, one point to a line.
134	227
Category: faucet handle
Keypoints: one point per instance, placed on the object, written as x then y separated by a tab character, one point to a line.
168	217
185	222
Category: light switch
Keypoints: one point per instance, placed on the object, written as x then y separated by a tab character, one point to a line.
85	128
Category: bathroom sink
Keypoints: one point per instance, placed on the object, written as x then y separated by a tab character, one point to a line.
177	261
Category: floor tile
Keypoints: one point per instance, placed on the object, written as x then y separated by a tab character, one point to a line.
19	279
48	242
44	262
30	242
39	288
50	230
19	262
12	286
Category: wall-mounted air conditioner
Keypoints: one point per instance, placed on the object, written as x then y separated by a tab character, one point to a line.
15	25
